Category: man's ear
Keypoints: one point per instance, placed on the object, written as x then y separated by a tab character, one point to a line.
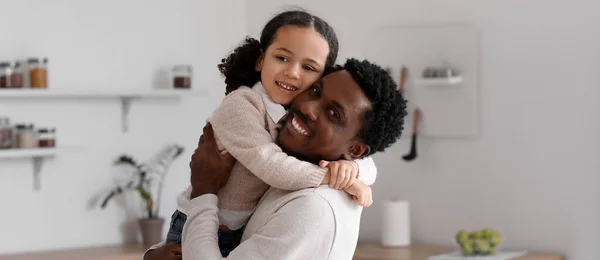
357	150
259	61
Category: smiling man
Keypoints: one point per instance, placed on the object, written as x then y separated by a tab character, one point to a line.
352	112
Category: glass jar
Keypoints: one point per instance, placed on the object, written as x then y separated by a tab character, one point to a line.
46	137
182	76
6	133
38	73
5	74
53	136
19	128
17	78
26	137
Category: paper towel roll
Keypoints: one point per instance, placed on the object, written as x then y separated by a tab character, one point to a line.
395	229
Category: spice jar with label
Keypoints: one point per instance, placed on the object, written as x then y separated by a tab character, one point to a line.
6	133
38	72
5	74
182	76
46	137
17	78
26	137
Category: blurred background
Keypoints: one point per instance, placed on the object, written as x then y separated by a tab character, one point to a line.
514	146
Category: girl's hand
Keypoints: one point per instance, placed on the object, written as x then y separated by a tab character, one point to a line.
361	193
343	173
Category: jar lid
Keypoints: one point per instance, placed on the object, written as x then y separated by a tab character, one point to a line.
43	131
182	67
33	60
4	64
20	126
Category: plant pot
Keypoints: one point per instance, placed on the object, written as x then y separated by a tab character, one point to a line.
152	229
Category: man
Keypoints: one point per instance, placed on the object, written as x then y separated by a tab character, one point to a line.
352	112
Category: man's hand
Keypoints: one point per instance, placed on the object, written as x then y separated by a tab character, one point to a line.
171	251
361	193
210	168
342	173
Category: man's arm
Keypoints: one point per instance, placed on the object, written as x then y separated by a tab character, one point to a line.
154	247
304	228
160	251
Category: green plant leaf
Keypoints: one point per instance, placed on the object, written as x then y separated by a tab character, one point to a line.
116	191
144	193
128	160
146	175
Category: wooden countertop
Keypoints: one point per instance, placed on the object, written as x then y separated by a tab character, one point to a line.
422	252
363	252
116	252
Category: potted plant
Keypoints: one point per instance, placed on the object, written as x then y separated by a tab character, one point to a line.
146	180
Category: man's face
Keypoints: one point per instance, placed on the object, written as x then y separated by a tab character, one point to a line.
323	121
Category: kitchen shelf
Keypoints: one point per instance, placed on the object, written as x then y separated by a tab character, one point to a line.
27	153
93	93
37	155
449	81
126	96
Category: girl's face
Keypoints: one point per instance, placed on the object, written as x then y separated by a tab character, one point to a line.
293	62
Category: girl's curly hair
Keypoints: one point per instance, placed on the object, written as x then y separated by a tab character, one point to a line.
239	67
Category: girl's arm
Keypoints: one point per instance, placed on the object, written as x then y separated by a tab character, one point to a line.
367	171
343	173
240	127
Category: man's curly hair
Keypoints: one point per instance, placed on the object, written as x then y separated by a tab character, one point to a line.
383	125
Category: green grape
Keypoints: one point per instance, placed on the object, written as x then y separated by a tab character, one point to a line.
476	235
467	243
488	232
461	236
482	246
495	240
467	250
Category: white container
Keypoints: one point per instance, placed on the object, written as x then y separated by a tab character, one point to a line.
395	224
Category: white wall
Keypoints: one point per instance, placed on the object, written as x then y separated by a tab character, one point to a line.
98	45
533	168
533	172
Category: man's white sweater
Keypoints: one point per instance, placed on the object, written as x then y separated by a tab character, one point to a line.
314	223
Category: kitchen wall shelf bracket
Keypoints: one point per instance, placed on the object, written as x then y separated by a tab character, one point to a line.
125	108
38	156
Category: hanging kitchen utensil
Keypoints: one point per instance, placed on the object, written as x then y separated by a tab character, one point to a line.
413	147
417	118
403	75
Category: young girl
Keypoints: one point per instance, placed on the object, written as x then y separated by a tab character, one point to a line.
294	50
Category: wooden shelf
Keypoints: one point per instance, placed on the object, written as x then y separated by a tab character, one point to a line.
125	95
37	156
